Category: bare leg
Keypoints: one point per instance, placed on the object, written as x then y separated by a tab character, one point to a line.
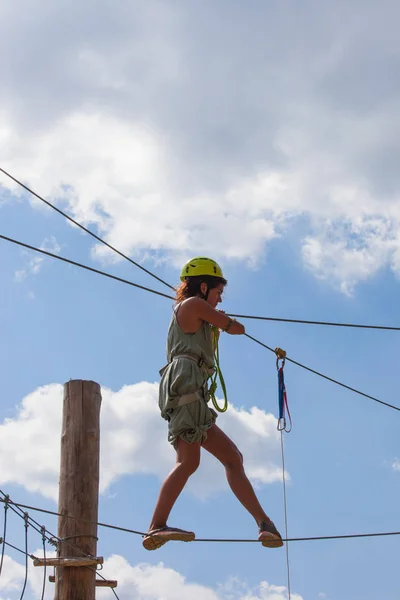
187	461
222	447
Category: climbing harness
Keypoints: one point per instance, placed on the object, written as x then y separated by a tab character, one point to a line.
213	373
217	373
200	394
283	403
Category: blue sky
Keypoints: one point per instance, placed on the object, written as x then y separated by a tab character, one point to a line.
160	131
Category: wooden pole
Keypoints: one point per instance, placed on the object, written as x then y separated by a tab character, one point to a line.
79	488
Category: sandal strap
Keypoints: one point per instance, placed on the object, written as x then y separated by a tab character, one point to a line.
268	527
166	528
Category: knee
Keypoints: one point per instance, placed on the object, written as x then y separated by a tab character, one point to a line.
235	461
189	464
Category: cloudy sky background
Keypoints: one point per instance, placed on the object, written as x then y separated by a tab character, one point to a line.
267	136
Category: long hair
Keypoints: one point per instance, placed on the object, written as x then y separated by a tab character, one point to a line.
191	286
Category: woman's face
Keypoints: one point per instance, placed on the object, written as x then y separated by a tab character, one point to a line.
215	295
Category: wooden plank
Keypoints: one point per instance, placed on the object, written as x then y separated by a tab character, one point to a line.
68	562
111	583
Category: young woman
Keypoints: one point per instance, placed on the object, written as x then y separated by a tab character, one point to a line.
183	401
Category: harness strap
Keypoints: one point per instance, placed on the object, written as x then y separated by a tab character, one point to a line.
200	362
186	399
201	394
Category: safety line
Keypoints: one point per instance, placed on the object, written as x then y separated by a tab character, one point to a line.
57	514
26	557
82	266
44	539
303	321
347	387
99	239
28	519
40	528
285	516
98	272
34	524
19	550
4	531
126	530
37	527
33	557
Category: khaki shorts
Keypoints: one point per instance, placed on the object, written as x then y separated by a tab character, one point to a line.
190	422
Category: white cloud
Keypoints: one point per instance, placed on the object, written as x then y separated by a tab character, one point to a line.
164	155
350	252
149	582
35	263
30	442
35	578
12	575
396	464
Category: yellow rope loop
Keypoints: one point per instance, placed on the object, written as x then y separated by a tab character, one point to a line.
217	373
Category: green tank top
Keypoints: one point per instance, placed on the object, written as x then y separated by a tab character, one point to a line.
199	344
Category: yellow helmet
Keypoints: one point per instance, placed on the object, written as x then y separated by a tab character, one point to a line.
201	266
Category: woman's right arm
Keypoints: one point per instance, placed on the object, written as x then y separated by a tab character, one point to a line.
207	313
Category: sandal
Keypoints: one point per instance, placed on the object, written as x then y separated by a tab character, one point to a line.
156	538
269	536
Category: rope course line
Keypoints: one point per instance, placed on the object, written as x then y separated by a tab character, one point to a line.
126	530
26	555
82	266
45	566
32	556
96	237
344	385
306	322
103	273
51	538
54	540
20	513
285	516
25	516
99	239
6	499
276	319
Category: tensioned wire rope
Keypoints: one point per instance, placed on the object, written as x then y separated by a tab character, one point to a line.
47	535
213	386
96	237
226	540
260	318
4	542
136	285
31	556
285	516
222	382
